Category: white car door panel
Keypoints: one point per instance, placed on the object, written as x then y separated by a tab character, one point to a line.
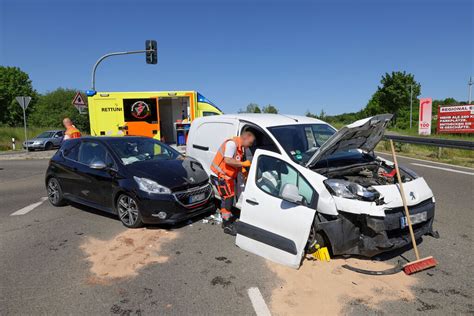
270	226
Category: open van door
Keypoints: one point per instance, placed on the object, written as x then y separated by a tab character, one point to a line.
277	210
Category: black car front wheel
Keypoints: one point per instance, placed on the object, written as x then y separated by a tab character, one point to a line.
55	193
128	212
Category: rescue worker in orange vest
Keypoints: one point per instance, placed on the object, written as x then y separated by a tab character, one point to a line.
227	164
71	130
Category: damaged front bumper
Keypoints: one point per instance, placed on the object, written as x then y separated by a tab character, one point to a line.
365	235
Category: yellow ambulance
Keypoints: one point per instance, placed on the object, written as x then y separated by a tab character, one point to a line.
164	115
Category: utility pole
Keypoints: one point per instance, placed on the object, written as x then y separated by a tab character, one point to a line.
469	84
411	104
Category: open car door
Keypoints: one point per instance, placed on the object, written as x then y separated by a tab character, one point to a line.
277	210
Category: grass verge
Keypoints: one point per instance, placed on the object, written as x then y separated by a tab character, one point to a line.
460	157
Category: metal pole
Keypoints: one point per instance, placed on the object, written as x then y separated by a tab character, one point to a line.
411	104
114	54
469	84
24	124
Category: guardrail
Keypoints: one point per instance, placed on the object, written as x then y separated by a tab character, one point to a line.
439	142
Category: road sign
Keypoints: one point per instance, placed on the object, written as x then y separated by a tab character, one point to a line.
78	100
23	101
424	126
79	103
456	119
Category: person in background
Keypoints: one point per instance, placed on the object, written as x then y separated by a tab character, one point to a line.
227	164
71	130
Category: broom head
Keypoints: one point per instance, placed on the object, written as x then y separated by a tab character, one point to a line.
420	265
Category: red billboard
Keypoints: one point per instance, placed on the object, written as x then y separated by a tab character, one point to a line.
456	119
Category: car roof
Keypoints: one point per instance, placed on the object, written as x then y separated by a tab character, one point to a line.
53	130
106	138
265	119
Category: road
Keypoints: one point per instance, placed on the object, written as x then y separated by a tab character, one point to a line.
74	260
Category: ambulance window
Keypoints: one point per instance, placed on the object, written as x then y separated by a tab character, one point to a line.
207	113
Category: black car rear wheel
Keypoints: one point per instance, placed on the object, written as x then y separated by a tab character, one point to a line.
128	212
55	193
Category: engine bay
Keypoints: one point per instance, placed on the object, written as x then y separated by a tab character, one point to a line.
366	174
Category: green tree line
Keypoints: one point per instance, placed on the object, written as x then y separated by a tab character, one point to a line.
45	109
392	96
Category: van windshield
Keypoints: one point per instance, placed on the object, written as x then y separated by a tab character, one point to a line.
301	141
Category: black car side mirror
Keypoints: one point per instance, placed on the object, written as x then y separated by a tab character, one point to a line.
98	165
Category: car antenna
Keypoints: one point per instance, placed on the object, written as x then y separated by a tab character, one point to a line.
291	118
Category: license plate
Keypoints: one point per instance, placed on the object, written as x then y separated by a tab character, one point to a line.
196	198
415	219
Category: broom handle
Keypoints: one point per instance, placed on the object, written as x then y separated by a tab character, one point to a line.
407	213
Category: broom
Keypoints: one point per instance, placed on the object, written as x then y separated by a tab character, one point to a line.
418	264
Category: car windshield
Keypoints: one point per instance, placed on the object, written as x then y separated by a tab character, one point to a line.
46	135
301	141
131	150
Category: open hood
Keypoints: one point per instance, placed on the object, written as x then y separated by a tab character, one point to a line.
363	134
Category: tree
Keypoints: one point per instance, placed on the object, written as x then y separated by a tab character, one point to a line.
13	83
270	109
394	95
251	108
54	106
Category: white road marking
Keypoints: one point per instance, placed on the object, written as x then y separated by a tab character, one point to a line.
424	160
258	302
445	169
29	208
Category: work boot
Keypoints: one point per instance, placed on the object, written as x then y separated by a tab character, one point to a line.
229	228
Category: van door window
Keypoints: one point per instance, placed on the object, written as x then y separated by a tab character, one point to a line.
274	173
262	140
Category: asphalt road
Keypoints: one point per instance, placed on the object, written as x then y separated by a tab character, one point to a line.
45	267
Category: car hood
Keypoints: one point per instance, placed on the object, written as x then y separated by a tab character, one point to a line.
363	134
177	174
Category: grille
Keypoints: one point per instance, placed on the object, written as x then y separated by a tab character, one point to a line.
183	197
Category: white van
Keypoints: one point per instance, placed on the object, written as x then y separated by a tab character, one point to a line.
310	183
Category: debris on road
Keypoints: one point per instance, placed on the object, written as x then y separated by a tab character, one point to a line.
126	253
330	287
214	219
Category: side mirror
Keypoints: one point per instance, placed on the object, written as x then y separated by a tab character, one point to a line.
291	194
98	165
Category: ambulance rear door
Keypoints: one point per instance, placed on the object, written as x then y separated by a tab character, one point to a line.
106	117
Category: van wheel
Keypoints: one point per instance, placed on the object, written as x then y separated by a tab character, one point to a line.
316	238
128	212
55	193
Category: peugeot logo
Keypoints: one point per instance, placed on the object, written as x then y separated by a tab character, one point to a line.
412	195
191	180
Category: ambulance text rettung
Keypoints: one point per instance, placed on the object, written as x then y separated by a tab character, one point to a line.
154	114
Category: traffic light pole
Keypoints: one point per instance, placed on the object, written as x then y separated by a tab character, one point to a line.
115	54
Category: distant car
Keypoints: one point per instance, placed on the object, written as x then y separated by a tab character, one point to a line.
45	141
140	179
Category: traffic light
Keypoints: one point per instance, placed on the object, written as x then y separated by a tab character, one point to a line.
152	52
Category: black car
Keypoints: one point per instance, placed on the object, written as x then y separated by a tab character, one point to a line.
140	179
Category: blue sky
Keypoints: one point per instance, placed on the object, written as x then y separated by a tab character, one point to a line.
295	55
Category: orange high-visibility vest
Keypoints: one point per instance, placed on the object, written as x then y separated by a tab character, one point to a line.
219	167
73	132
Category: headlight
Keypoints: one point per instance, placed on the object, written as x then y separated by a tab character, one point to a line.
350	190
151	186
37	142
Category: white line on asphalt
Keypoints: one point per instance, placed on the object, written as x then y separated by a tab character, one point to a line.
441	168
258	302
29	208
429	161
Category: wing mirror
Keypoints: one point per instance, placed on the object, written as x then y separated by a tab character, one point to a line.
291	194
98	165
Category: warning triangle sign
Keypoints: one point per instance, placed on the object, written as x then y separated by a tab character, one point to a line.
78	100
